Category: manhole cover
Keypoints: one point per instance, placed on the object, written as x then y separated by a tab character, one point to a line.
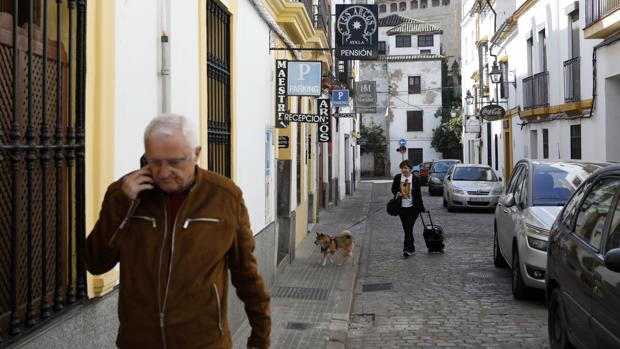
297	326
377	287
489	274
318	294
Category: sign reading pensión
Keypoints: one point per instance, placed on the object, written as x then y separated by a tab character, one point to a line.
281	98
357	35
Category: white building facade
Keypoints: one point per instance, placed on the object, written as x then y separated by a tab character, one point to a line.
546	87
409	85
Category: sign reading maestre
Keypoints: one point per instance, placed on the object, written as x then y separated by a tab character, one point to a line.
324	132
304	78
357	35
281	99
492	112
366	96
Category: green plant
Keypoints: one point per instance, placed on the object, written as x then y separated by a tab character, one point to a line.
375	143
447	137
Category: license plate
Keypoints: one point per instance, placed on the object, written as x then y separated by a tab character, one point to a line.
478	199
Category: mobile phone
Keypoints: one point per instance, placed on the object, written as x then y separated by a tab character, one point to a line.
143	161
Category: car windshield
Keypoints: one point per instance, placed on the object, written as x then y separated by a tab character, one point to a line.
473	174
441	166
554	184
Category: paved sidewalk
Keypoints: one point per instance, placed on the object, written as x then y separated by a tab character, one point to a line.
310	304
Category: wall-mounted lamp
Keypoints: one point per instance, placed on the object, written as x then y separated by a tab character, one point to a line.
469	99
496	75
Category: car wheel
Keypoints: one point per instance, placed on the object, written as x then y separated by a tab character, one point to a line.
519	289
450	207
558	334
431	192
498	259
445	202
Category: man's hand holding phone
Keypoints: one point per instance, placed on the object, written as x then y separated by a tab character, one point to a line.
137	181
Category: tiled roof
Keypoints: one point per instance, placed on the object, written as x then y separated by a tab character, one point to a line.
407	58
394	20
414	28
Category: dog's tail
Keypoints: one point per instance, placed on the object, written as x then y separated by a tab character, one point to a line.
347	234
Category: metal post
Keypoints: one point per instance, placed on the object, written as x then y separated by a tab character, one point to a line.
70	158
58	158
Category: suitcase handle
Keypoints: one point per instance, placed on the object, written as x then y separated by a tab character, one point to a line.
429	217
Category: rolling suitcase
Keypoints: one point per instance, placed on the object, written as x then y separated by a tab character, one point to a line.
433	235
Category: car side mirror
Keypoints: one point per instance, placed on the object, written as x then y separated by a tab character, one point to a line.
612	260
509	200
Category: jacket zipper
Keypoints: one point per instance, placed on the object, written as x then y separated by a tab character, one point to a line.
151	219
219	310
161	252
163	306
202	219
132	209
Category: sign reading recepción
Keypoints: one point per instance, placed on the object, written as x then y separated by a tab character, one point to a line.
357	34
304	78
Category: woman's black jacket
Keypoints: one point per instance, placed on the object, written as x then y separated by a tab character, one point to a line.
416	192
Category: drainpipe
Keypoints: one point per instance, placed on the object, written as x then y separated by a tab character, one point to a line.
604	43
271	22
493	45
165	57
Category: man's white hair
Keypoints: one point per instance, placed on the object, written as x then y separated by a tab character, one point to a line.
168	124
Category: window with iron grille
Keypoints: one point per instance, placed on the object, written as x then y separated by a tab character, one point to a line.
415	155
503	86
403	41
415	85
402	6
423	3
415	121
425	52
382	48
413	4
545	135
218	114
575	142
382	8
42	163
435	3
393	7
425	40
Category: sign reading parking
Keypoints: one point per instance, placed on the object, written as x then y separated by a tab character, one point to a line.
340	98
304	78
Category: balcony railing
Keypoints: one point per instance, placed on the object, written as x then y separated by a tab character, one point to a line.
536	91
597	9
572	80
308	5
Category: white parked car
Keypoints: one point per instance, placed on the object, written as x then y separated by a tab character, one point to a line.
471	185
534	196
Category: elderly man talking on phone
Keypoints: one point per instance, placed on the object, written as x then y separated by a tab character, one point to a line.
177	230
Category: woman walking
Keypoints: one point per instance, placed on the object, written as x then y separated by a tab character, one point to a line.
407	186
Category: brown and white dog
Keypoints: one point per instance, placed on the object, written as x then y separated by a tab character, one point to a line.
329	246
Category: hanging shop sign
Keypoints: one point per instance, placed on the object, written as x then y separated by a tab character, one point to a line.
281	99
324	130
340	98
366	96
344	115
472	125
304	78
492	112
357	35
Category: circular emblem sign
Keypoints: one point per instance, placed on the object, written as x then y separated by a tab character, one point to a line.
357	24
492	112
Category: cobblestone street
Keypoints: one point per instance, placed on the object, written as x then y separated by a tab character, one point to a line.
457	299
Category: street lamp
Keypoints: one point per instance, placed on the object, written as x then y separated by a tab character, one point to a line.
496	74
469	99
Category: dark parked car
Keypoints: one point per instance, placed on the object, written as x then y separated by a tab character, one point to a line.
438	171
583	270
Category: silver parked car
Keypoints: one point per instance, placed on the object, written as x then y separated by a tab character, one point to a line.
535	194
470	185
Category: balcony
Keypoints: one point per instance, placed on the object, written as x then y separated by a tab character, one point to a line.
602	18
536	91
572	80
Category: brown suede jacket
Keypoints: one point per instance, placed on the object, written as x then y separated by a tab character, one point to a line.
181	304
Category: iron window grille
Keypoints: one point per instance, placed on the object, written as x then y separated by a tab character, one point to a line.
575	142
403	40
218	67
415	121
425	40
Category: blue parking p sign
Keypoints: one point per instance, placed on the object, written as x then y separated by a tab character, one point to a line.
340	98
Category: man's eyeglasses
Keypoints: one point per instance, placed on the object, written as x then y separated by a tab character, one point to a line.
175	163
